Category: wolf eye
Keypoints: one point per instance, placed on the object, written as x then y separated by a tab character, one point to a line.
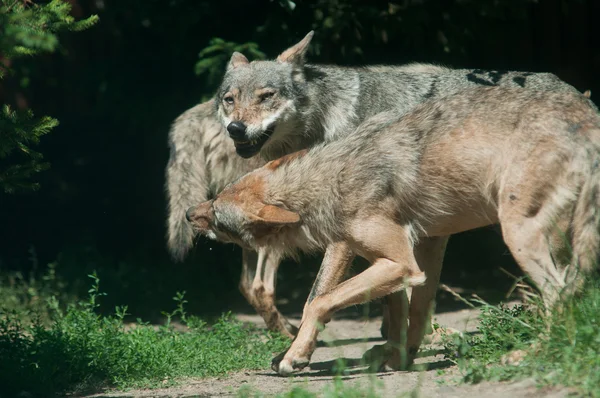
265	96
228	99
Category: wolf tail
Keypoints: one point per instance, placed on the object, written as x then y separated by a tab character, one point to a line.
186	176
586	219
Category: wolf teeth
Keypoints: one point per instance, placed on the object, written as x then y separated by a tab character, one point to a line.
253	142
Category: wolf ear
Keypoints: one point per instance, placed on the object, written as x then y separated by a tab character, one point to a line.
275	215
296	53
270	219
237	59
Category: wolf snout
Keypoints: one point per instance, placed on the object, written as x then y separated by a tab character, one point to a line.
237	130
189	214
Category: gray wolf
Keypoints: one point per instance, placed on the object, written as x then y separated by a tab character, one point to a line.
528	160
277	107
281	106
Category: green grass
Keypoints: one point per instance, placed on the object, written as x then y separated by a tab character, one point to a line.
82	350
28	294
562	349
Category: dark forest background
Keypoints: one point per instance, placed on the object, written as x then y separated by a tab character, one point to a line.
116	88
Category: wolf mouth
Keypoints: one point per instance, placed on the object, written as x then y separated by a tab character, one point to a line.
249	148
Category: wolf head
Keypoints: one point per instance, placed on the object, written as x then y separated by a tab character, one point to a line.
257	97
240	215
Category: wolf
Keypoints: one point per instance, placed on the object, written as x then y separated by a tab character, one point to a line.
528	160
270	108
277	107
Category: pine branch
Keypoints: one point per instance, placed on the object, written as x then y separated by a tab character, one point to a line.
27	29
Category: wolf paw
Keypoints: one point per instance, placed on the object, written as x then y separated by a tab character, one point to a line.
384	358
286	366
393	365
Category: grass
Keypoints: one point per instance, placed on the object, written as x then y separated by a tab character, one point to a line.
82	350
561	349
28	294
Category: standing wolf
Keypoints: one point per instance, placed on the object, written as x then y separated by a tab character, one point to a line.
527	160
277	107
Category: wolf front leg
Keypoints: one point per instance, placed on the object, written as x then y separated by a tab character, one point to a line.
394	268
257	285
338	258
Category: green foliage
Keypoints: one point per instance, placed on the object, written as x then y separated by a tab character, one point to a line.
21	130
82	349
561	349
28	295
501	329
28	29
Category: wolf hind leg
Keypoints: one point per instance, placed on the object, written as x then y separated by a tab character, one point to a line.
429	254
540	243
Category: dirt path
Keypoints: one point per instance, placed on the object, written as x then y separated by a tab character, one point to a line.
349	339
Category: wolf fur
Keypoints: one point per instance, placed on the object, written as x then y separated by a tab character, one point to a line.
293	106
528	160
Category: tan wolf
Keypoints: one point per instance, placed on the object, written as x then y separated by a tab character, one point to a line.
276	107
527	160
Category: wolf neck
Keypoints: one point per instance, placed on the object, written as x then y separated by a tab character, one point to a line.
332	101
332	96
308	186
339	99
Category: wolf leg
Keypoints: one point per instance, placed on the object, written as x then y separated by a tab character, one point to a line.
535	216
429	253
257	285
396	305
385	276
338	258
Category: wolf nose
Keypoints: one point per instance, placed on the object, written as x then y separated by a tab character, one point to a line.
237	130
189	213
